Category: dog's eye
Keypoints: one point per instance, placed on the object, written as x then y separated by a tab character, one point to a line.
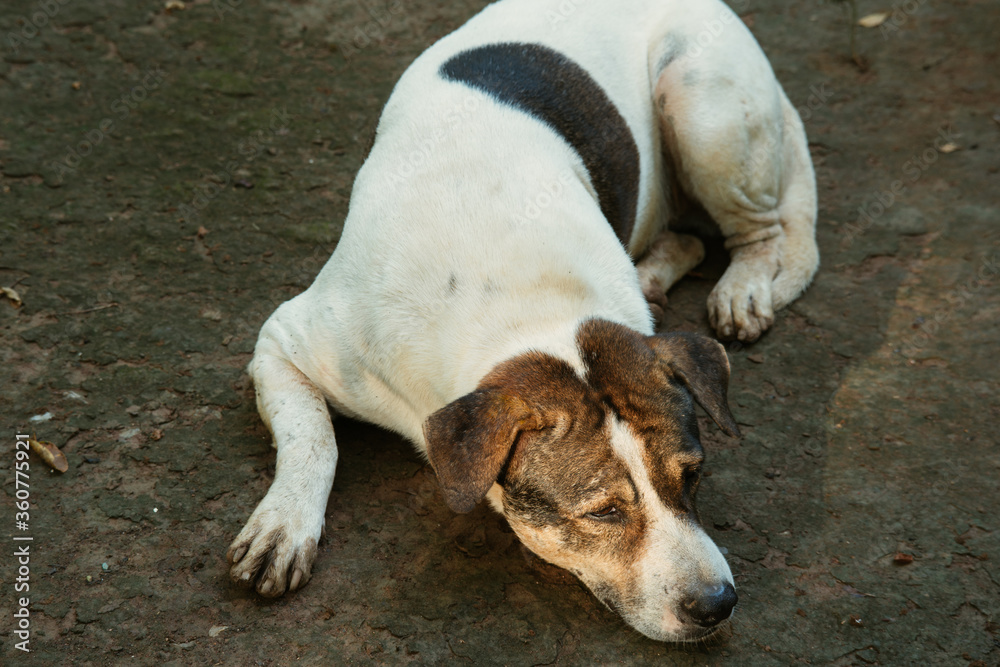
604	513
692	473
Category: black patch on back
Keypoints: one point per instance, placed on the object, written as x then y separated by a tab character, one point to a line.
557	91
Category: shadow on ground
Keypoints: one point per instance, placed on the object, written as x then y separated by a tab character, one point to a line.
168	176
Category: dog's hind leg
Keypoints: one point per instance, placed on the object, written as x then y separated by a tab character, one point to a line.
739	149
275	550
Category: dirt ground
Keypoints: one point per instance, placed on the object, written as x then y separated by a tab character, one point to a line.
169	176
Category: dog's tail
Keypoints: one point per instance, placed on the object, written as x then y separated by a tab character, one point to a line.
799	254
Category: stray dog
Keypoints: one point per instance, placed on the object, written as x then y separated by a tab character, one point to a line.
483	302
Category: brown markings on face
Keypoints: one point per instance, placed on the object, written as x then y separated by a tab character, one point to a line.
633	381
544	434
561	476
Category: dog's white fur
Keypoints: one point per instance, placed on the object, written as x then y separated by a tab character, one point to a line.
437	278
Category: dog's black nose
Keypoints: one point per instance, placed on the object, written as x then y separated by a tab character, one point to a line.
709	606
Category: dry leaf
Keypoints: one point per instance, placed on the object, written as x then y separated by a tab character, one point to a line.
216	629
949	148
873	20
50	454
902	559
12	294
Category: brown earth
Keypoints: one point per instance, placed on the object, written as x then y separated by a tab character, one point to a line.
869	412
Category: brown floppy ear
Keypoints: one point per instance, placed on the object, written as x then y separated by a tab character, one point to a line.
469	440
701	364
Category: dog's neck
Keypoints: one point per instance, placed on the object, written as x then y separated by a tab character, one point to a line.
554	337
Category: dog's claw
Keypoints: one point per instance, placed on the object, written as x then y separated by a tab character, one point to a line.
740	305
274	552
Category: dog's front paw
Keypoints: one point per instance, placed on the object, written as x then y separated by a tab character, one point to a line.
740	306
656	297
275	551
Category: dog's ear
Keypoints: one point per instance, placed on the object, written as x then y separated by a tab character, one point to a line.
469	441
701	364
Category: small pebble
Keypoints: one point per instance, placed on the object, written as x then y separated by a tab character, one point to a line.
902	559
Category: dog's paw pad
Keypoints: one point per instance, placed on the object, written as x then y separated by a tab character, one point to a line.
271	557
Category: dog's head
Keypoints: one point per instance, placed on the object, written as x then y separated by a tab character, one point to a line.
598	474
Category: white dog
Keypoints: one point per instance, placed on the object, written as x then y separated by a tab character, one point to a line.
483	301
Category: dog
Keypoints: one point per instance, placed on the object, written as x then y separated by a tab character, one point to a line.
483	300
